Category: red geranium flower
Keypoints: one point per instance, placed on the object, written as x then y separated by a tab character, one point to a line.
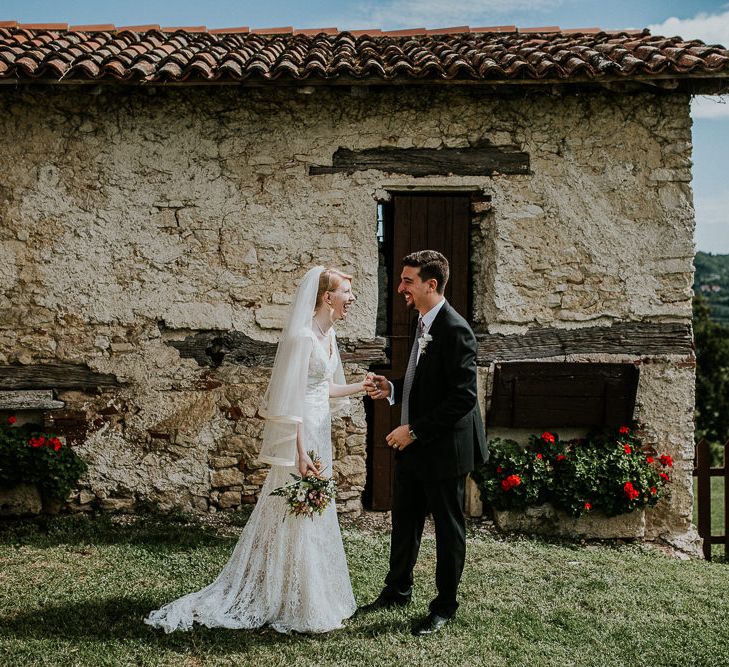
627	449
654	490
539	455
649	459
547	437
588	506
630	491
665	477
624	430
510	482
12	419
666	460
561	457
499	469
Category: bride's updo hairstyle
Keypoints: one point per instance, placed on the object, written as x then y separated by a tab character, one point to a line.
329	280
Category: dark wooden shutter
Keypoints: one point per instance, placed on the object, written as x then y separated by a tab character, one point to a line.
554	394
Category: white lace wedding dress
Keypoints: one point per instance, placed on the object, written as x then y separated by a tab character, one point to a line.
287	572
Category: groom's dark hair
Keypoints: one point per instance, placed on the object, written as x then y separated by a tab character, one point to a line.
431	264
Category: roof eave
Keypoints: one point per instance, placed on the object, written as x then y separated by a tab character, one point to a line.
705	83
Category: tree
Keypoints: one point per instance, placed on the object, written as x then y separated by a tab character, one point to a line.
712	376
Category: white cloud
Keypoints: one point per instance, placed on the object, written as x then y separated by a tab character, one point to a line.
397	14
710	106
712	223
710	28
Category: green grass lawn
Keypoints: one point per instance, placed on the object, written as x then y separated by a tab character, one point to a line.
74	590
717	512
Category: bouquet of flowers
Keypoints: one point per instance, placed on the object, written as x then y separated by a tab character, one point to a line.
310	494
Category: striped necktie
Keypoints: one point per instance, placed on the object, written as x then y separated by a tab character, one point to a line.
410	374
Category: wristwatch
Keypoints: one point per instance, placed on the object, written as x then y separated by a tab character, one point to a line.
411	433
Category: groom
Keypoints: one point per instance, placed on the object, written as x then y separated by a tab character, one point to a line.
440	440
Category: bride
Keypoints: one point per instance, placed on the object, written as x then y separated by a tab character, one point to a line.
288	572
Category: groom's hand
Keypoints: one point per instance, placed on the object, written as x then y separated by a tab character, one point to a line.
377	387
400	437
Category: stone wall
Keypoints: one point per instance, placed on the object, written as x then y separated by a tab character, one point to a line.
134	217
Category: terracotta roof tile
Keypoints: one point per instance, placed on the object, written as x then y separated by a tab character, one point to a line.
139	28
405	33
43	26
287	30
98	27
457	30
497	53
580	31
543	29
369	31
185	28
229	31
316	31
495	28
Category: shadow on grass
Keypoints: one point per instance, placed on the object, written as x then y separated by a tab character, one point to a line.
175	531
121	618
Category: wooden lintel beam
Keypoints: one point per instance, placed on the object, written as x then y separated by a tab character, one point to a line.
472	161
213	348
54	375
633	338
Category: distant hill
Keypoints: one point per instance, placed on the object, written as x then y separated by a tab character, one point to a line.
712	282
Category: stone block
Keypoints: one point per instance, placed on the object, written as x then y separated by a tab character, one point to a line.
117	504
20	500
227	477
229	499
272	316
85	497
351	470
219	462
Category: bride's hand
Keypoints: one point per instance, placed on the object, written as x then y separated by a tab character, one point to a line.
306	466
367	383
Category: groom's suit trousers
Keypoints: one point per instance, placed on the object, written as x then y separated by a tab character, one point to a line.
413	498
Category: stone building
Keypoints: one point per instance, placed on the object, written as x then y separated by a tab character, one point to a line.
164	189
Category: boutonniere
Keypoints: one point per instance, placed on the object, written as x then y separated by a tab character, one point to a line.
423	342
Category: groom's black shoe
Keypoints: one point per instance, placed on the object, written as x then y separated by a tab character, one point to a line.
430	624
383	603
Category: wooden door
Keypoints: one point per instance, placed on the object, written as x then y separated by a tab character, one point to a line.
414	222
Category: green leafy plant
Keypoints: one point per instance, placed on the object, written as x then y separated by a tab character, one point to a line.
608	471
31	457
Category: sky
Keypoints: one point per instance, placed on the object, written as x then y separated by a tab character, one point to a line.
692	19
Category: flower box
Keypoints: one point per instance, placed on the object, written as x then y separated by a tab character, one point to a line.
546	520
20	500
598	486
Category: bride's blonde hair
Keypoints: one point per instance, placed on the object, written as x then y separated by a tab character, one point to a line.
329	280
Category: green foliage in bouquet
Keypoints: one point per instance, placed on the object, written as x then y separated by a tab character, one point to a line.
608	471
30	457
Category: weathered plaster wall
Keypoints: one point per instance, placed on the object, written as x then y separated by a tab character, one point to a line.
130	217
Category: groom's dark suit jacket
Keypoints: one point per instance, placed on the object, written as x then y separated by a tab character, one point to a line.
443	405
